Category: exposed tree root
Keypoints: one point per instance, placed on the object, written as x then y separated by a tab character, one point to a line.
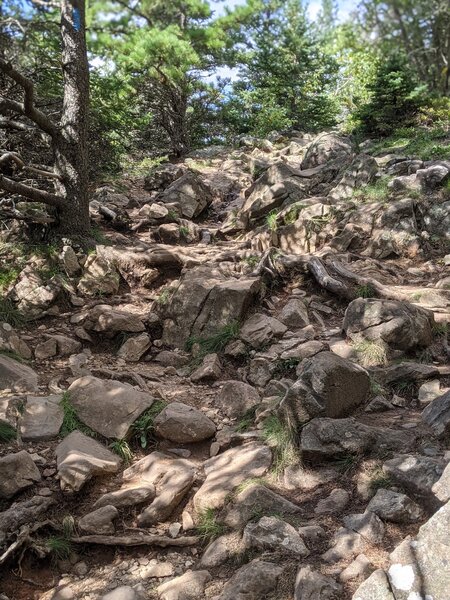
136	540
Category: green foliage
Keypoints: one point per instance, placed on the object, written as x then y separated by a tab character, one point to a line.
8	275
209	527
68	526
425	143
122	449
214	343
7	432
60	547
184	231
98	235
71	422
286	74
164	297
251	261
144	426
278	436
9	313
440	329
346	462
365	291
377	191
271	220
285	366
376	389
379	480
396	96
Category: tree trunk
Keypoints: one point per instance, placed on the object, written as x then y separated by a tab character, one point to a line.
70	144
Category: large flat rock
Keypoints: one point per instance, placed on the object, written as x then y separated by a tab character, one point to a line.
79	458
172	478
17	472
228	470
16	376
42	418
107	406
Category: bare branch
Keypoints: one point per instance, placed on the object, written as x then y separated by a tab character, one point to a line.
14	157
31	194
6	123
27	108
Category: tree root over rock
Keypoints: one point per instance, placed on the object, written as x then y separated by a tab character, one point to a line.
329	272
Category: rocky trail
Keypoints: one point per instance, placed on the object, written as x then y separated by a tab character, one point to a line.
243	393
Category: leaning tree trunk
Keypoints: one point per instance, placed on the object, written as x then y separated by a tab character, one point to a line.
70	145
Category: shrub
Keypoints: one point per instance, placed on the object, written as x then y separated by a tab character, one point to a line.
396	96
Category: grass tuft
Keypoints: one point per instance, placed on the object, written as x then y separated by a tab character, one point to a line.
365	291
144	426
247	420
122	449
278	436
9	313
271	220
71	422
208	526
379	480
440	329
60	547
346	463
7	432
8	276
214	343
371	353
377	191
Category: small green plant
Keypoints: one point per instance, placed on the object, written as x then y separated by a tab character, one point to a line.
377	191
49	251
292	214
7	276
425	356
71	422
285	366
7	432
144	427
376	389
379	480
98	235
208	526
440	329
164	297
214	343
59	547
278	436
346	462
184	231
247	420
172	214
365	291
251	261
68	525
403	387
9	313
248	483
122	449
271	220
371	353
12	354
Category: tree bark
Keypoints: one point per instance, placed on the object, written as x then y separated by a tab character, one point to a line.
70	145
